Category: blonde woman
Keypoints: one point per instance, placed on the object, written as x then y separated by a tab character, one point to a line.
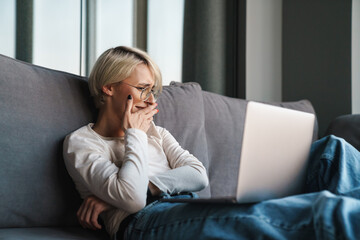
122	163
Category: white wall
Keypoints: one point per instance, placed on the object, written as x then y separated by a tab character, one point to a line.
355	61
263	50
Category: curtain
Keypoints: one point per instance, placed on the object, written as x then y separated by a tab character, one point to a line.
214	45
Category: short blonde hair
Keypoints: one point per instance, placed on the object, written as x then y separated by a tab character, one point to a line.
117	64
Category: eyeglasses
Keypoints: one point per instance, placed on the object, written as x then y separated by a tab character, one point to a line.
145	92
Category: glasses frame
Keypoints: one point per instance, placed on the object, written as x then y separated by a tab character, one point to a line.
143	89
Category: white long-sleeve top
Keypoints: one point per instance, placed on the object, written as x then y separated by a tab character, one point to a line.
118	170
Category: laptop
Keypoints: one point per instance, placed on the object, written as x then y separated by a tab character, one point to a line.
274	153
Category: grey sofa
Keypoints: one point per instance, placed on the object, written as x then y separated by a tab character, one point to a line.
39	106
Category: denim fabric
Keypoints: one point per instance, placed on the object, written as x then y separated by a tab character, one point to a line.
330	208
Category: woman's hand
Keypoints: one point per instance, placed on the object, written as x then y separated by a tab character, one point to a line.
155	191
90	210
140	119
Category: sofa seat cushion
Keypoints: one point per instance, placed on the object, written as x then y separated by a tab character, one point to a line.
75	233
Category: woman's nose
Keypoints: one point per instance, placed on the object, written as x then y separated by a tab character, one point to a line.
151	99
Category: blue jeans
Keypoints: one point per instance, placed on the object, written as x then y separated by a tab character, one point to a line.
328	209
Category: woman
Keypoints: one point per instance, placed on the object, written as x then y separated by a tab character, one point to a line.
123	162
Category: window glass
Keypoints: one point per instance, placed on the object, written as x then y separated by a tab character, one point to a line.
165	37
56	42
114	24
7	28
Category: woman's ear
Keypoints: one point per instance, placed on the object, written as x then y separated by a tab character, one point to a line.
107	90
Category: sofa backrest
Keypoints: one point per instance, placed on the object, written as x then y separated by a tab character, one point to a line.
38	107
346	127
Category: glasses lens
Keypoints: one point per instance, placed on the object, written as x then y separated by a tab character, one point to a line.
155	95
146	93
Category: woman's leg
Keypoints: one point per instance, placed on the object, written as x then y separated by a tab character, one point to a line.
266	220
320	215
335	166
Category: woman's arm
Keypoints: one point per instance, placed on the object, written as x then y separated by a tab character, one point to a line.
92	207
87	159
88	163
90	210
187	173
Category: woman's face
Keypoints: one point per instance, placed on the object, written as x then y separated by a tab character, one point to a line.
141	77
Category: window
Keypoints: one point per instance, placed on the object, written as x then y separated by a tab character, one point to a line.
114	24
7	28
69	35
56	36
165	37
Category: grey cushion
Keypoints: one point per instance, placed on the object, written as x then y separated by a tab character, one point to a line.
75	233
347	127
38	108
224	125
224	120
181	112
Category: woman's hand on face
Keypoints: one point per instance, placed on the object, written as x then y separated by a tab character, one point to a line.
90	210
140	119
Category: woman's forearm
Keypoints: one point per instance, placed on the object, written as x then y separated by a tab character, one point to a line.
182	179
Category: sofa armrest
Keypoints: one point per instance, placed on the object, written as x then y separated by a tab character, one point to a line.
347	127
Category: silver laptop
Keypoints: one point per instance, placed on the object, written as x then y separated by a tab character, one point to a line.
274	154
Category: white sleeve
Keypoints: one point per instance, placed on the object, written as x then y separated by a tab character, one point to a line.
89	165
187	173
